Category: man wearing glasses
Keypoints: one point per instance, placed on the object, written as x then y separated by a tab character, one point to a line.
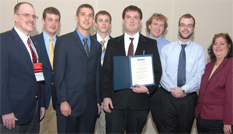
22	97
183	64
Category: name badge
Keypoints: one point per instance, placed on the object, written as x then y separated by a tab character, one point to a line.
38	72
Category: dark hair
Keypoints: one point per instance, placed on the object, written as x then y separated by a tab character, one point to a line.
51	10
157	16
103	12
87	6
187	16
132	8
17	6
227	39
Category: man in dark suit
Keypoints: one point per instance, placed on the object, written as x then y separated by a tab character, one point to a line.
103	25
22	97
77	76
47	39
127	109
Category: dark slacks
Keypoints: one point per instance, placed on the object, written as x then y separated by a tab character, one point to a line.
155	106
209	126
32	128
178	113
131	121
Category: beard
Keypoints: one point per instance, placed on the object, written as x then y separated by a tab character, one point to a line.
185	37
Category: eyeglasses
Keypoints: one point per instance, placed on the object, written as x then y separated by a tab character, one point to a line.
26	15
189	25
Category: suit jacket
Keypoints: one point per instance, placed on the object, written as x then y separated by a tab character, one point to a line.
48	73
216	95
76	76
19	88
126	97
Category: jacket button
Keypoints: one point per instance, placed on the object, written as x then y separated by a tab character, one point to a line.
36	97
52	83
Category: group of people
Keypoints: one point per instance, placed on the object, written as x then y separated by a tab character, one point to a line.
52	84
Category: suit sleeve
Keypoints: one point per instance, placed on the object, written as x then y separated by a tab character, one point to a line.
59	65
157	69
5	107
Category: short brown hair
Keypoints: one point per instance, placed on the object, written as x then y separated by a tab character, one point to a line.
187	15
227	39
132	8
87	6
157	16
17	6
103	12
51	10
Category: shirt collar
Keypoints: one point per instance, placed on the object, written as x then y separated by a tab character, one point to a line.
180	42
23	37
100	39
47	37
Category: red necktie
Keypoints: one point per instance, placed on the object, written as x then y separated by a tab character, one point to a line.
130	51
34	60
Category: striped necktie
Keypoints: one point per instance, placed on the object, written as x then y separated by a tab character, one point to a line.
103	52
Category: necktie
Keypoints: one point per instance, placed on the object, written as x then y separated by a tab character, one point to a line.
34	60
103	52
130	51
181	75
51	51
86	46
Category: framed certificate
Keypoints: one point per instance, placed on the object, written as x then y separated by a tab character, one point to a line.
131	70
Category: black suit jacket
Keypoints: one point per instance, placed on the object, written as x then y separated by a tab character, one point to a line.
126	97
48	73
76	76
19	88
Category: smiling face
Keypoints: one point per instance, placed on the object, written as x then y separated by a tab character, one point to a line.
220	48
186	29
103	23
156	28
85	19
25	24
51	24
132	22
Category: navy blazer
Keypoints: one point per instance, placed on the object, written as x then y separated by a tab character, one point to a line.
216	94
76	76
19	88
48	73
126	97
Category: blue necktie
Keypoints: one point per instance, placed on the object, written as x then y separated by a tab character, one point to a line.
181	75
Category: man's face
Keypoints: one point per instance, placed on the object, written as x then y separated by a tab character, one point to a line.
51	24
103	23
132	22
85	19
24	20
186	28
156	28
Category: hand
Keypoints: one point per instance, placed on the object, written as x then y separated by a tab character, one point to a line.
99	109
106	103
227	129
65	108
9	120
178	93
42	112
139	89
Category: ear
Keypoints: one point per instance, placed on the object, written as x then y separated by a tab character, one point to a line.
140	22
76	18
110	24
43	21
93	21
123	21
149	26
15	16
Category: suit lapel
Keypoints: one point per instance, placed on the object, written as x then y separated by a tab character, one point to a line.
78	42
141	45
220	67
22	47
121	46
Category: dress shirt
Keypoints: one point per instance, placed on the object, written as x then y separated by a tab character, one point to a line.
100	39
24	38
88	39
195	65
47	41
160	42
128	41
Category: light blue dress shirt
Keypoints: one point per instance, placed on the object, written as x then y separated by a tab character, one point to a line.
47	40
160	42
195	65
88	39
